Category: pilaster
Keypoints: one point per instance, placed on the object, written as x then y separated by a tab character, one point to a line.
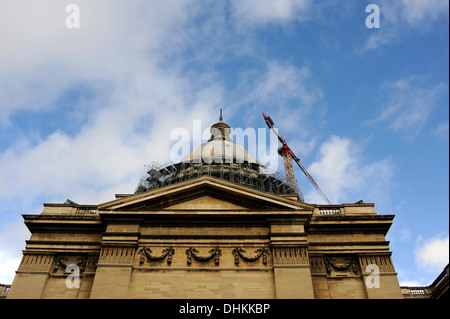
113	274
32	276
115	264
379	276
291	266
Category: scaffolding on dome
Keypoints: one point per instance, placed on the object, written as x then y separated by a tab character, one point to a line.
246	173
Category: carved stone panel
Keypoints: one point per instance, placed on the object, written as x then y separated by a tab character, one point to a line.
260	253
85	263
195	254
383	263
147	253
36	262
290	255
117	255
62	262
340	266
317	265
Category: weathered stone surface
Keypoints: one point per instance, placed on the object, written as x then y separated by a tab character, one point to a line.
207	238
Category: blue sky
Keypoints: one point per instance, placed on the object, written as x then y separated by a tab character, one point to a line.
83	110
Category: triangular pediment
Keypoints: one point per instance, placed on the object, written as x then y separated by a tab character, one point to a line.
206	202
204	193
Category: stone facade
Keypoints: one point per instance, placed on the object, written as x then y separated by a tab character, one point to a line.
207	238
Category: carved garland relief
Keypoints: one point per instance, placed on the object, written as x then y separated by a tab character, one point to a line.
214	253
147	252
193	253
64	262
340	264
261	252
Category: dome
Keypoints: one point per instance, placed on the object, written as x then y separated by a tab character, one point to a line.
220	151
220	148
219	157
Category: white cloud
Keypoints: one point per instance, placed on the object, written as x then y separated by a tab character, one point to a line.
119	53
413	12
416	11
409	103
432	254
285	81
8	266
345	177
442	130
259	12
43	58
12	242
130	55
107	151
281	84
288	94
378	39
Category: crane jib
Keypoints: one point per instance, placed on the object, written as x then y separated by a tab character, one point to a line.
287	149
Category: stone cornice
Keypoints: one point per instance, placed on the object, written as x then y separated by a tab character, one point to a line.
207	237
350	224
349	243
219	218
219	187
343	218
63	224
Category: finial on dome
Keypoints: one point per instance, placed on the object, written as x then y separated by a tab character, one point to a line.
220	130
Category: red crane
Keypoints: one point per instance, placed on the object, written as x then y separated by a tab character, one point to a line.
287	154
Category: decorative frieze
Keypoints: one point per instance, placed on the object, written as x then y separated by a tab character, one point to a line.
335	265
62	262
147	252
290	255
317	265
194	253
340	264
117	255
384	262
259	253
36	262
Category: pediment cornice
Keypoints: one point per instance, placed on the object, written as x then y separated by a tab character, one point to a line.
218	189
